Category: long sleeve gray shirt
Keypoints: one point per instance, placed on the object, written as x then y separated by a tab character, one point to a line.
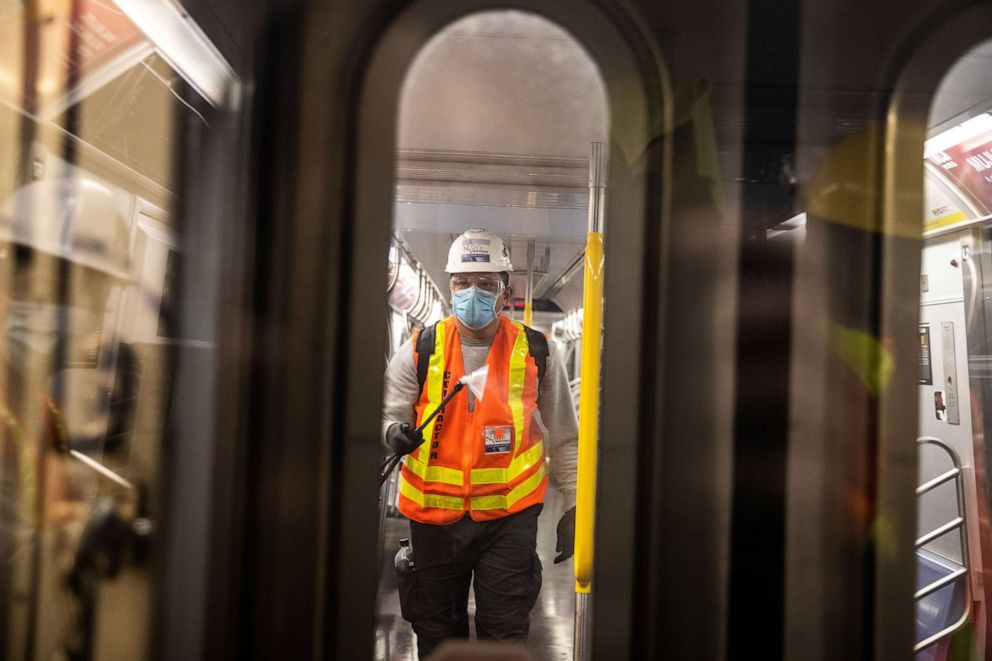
555	414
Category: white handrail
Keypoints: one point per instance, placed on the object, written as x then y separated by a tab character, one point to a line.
959	522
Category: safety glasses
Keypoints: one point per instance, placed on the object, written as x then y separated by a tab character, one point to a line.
487	282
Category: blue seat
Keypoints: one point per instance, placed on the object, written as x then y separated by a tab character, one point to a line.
939	609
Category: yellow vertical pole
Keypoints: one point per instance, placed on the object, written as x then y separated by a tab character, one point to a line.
592	339
592	316
529	292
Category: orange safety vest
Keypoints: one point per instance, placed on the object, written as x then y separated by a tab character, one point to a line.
488	462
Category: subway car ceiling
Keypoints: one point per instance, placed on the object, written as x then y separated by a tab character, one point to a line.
460	165
966	90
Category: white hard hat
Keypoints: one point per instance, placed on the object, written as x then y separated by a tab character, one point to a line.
478	251
72	218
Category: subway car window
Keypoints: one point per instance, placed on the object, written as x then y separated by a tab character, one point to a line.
494	280
98	103
953	535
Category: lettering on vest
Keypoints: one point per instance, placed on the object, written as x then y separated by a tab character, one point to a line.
439	420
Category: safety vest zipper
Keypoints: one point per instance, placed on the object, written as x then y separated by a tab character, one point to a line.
467	458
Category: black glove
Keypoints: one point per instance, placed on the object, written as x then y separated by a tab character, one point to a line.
566	536
403	438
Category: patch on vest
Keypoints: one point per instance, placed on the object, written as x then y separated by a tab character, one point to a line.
498	439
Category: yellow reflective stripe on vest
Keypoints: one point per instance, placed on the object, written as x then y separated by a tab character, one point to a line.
517	467
525	488
434	382
430	499
434	473
515	396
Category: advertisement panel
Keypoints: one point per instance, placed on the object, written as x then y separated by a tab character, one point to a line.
963	156
102	33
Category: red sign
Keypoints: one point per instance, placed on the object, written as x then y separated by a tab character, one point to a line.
968	166
75	38
103	31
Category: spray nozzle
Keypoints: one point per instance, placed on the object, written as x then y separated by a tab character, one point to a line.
476	381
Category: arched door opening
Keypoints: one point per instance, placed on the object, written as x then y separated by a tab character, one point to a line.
953	539
502	124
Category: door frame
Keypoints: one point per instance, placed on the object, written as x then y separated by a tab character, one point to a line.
637	211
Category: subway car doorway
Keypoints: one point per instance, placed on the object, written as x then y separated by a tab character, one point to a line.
502	125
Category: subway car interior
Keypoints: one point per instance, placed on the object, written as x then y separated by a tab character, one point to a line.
754	237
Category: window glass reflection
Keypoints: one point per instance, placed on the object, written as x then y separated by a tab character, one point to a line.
90	111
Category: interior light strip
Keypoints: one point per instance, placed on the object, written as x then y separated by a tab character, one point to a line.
181	42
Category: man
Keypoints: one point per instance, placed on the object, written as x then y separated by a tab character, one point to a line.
473	483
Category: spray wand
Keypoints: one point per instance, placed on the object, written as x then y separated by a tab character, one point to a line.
476	382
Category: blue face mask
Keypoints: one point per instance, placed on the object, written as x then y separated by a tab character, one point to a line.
474	307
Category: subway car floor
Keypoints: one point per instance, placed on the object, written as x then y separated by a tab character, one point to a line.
550	622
